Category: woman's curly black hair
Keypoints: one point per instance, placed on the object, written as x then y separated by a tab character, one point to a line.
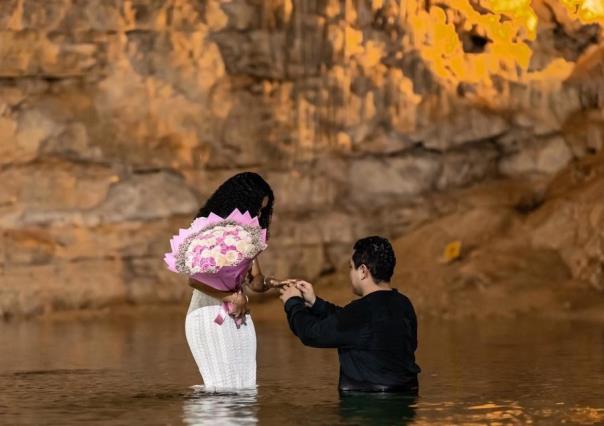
244	191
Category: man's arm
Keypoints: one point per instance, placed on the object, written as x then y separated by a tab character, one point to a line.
318	306
315	331
322	308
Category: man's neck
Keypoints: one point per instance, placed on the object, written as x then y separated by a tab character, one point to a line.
376	287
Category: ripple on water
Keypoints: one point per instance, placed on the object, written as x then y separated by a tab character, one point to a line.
473	373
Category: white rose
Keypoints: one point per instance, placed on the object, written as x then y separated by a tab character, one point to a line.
221	261
208	239
247	248
230	240
231	256
240	245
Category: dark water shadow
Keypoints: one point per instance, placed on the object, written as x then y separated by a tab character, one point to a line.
362	408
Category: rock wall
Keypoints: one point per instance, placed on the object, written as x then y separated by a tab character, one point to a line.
118	118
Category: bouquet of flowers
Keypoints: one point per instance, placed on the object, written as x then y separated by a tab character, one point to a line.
217	251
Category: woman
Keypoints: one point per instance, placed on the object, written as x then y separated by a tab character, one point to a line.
225	348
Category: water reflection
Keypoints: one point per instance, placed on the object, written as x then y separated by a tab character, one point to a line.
377	408
138	369
224	408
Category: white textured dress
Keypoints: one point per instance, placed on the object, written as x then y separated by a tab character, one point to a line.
225	354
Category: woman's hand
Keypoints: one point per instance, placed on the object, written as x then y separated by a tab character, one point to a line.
271	282
239	304
258	282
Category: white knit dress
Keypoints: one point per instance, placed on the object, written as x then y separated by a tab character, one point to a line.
225	354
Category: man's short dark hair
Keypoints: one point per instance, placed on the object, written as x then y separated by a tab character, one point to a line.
377	255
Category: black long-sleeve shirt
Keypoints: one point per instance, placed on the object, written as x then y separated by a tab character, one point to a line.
376	338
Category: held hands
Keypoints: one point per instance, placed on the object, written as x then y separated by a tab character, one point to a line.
288	291
308	292
292	287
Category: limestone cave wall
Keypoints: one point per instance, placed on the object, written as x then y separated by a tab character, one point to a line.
119	117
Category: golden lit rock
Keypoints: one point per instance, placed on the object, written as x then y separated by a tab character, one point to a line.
428	122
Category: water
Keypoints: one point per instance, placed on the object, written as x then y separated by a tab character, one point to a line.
136	369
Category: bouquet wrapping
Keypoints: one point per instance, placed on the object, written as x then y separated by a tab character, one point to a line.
217	251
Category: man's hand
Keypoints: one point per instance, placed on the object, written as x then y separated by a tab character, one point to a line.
308	292
289	291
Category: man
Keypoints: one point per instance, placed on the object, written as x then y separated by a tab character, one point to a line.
376	335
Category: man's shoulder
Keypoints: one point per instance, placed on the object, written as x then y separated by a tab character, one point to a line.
378	297
353	306
403	298
354	314
404	302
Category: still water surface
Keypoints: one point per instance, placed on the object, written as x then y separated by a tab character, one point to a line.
136	369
